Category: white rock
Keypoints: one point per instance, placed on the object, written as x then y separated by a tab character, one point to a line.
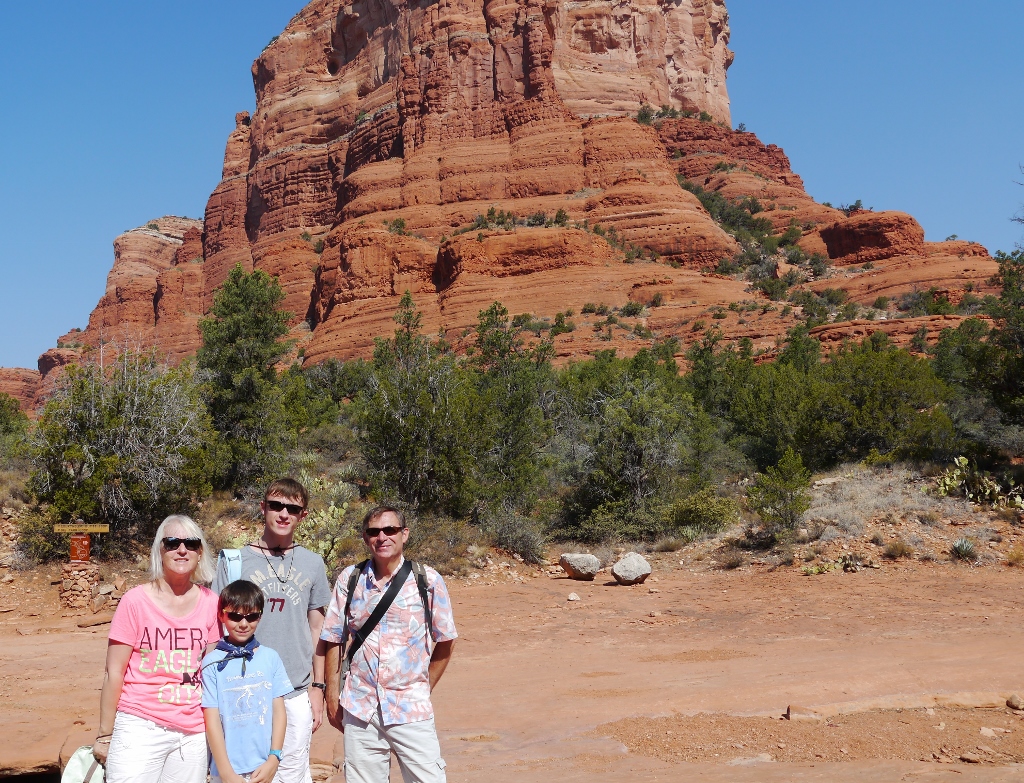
572	597
632	569
584	567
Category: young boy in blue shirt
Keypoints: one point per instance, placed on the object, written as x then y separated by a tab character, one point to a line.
244	685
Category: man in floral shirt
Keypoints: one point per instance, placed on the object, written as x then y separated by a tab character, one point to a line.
385	702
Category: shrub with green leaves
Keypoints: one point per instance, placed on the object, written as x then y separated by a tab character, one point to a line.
780	495
964	549
702	513
241	348
124	444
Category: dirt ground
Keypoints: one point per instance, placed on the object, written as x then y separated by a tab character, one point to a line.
688	675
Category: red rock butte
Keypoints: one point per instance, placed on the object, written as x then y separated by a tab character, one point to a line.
369	113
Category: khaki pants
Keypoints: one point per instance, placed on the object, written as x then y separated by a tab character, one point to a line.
368	748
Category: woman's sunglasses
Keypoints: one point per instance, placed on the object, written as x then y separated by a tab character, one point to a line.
191	544
237	617
293	508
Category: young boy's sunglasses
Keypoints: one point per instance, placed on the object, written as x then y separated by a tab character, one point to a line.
236	617
191	544
390	530
293	508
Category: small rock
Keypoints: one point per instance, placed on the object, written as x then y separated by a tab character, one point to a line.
7	579
98	603
985	749
987	732
970	758
844	751
1015	702
793	712
106	589
583	567
572	597
119	583
632	569
781	746
653	590
655	614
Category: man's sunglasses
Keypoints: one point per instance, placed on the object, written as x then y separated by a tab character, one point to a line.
293	508
390	530
191	544
237	617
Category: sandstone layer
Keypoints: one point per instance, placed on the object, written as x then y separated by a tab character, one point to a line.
385	133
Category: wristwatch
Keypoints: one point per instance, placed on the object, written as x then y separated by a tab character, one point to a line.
275	753
321	685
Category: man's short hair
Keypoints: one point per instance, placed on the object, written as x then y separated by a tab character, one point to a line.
288	488
377	512
242	596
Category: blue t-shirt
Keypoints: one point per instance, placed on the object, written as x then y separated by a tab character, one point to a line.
245	704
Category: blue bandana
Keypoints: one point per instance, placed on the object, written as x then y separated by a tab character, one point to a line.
233	651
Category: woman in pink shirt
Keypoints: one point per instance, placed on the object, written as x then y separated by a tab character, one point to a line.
151	719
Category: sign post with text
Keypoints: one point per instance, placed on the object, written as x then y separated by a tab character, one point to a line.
81	544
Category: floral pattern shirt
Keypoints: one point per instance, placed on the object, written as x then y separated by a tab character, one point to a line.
389	671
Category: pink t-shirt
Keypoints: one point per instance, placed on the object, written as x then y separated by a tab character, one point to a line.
162	683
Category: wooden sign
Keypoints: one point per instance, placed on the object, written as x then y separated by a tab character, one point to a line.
80	527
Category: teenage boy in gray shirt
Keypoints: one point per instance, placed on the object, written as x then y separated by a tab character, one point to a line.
296	590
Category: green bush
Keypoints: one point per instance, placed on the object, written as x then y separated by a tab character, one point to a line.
702	513
241	348
631	309
561	218
646	114
125	444
514	533
780	495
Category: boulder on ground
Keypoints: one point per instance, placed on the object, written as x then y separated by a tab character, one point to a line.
632	569
1015	702
583	567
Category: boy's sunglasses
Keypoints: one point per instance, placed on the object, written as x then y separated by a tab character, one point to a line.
237	617
293	508
191	544
390	530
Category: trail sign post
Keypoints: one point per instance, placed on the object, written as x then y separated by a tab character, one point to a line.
81	544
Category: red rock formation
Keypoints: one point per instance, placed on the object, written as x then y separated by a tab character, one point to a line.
382	130
872	236
20	384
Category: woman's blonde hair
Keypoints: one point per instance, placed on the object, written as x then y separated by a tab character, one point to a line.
204	572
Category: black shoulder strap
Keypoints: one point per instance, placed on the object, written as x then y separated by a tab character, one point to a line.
360	635
353	580
421	583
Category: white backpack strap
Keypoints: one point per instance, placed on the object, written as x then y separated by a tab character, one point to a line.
233	561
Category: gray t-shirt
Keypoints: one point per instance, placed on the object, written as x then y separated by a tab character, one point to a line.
292	585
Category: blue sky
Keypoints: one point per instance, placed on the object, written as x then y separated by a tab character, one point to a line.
117	112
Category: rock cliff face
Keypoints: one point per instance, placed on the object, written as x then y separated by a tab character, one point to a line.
384	133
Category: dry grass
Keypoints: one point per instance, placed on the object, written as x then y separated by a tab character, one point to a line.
897	549
869	493
731	559
669	544
1015	557
13	491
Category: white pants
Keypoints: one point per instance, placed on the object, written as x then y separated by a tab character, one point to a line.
294	767
142	751
368	748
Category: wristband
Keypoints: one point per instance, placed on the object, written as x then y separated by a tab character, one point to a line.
275	753
320	685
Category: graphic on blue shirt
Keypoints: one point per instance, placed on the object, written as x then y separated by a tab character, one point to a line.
245	702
